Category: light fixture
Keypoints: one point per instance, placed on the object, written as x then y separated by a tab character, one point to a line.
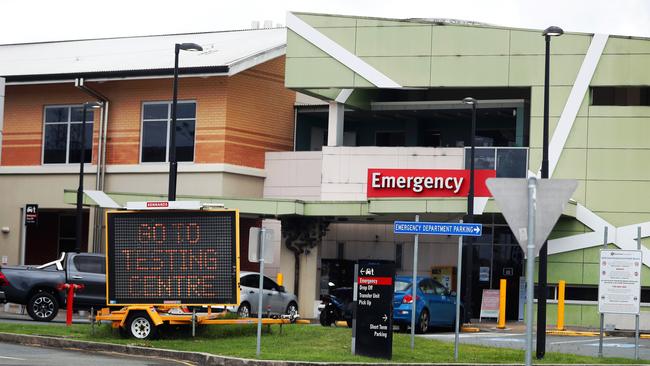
553	31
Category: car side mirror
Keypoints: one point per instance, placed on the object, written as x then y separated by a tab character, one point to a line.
281	289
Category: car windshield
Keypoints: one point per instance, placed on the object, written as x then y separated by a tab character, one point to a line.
402	285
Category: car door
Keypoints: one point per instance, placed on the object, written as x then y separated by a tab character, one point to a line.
446	303
89	270
275	298
249	290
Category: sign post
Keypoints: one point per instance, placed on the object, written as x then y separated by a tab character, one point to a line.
414	287
437	228
260	255
259	251
373	331
531	207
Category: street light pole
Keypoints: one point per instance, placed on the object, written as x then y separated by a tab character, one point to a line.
173	164
543	254
470	211
80	190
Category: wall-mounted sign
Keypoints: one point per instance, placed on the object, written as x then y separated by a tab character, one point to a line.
426	182
619	289
373	331
31	214
173	257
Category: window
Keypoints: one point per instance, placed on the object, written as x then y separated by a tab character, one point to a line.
250	281
62	134
621	95
269	284
156	119
90	264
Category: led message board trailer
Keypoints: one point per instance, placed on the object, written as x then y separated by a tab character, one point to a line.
172	257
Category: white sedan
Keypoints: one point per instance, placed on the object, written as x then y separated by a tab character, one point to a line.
275	300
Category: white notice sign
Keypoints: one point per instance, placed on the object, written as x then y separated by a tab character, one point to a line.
619	290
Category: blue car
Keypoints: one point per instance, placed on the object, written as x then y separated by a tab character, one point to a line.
435	304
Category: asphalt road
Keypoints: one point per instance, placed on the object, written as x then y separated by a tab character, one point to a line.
588	346
19	355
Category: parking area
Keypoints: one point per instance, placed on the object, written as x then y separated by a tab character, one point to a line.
587	346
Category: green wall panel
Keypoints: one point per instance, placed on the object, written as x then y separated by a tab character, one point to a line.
469	71
300	47
532	43
577	137
311	73
613	132
626	45
590	316
571	165
368	22
558	96
618	196
619	111
459	40
622	70
406	71
590	273
361	82
570	272
394	41
529	70
624	218
317	20
618	164
574	256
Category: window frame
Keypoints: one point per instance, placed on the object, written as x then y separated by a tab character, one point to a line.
68	123
168	121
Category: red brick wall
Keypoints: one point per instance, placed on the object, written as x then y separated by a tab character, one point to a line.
238	118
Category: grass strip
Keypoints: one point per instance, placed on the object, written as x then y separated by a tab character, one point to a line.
298	343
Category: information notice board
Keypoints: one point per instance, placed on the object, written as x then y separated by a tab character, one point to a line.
619	289
172	257
373	330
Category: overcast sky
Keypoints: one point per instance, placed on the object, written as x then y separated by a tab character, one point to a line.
47	20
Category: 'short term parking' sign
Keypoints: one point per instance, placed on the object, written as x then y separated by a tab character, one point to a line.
172	257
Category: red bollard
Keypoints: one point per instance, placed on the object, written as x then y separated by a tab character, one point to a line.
71	287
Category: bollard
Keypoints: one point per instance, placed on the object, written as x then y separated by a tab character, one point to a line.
502	304
560	305
279	278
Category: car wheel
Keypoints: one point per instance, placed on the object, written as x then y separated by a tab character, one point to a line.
325	318
422	325
43	306
244	310
140	326
292	309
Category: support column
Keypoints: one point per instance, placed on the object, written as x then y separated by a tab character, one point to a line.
335	124
309	291
2	112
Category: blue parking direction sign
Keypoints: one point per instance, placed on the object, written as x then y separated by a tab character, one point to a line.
437	228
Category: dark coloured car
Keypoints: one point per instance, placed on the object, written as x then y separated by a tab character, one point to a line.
36	287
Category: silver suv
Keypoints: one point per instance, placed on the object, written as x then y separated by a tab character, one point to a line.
275	300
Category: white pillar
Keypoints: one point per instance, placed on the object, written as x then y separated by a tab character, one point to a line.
2	112
309	289
335	124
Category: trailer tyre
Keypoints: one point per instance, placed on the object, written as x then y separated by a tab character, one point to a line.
244	310
140	326
42	306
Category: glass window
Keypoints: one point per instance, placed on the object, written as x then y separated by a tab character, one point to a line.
89	264
250	281
620	95
62	135
511	163
156	121
269	284
390	138
402	285
438	288
426	286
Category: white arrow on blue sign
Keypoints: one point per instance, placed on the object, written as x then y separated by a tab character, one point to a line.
437	228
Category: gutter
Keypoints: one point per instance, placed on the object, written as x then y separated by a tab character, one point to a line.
100	176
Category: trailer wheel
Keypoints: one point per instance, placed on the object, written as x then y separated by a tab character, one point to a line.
244	310
140	326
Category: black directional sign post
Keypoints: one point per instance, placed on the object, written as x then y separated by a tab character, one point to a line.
373	330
